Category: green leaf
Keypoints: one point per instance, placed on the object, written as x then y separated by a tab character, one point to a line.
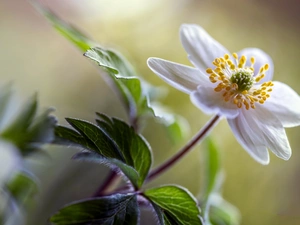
134	147
177	205
177	127
137	102
41	129
118	209
110	61
212	168
26	130
67	136
134	92
223	213
216	210
73	34
129	171
160	214
22	187
22	121
125	78
114	141
105	146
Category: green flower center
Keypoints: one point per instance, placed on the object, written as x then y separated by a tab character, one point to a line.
243	79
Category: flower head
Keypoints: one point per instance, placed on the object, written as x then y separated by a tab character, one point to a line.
237	86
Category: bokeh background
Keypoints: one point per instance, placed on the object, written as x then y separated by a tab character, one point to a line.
38	59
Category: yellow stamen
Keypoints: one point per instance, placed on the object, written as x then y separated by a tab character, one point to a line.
209	70
235	81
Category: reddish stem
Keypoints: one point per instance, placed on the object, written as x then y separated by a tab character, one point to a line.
187	148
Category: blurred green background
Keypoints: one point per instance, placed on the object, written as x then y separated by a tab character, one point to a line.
38	59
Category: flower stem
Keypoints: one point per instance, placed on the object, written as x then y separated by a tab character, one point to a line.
112	176
187	148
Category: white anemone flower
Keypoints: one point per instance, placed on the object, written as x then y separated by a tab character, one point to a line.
236	86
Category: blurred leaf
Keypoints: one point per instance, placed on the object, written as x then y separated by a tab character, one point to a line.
212	168
177	206
223	213
216	210
177	127
26	130
22	187
68	31
114	141
118	209
136	102
41	129
5	98
22	121
211	177
176	131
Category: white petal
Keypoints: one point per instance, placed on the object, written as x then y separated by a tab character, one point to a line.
184	78
211	102
261	58
250	140
284	104
258	129
202	49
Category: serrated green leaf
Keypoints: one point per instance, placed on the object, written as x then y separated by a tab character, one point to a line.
118	209
22	187
105	145
135	149
212	168
111	60
129	171
125	78
103	58
115	141
177	205
105	118
69	137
